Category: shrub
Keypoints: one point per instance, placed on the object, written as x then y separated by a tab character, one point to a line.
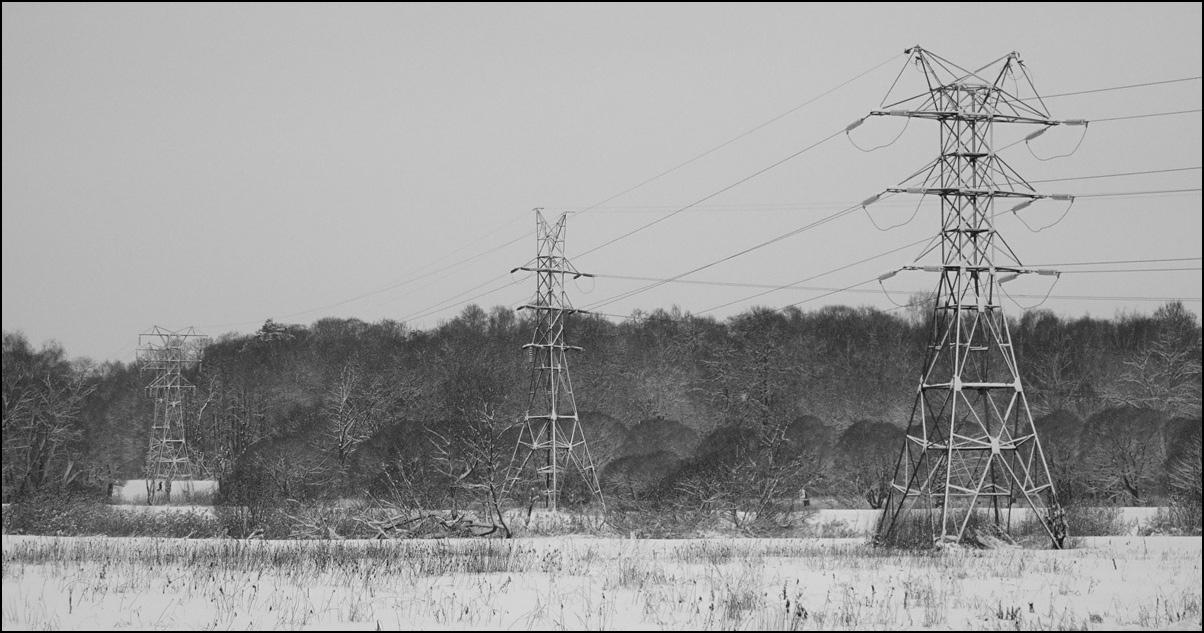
1177	520
73	515
1096	521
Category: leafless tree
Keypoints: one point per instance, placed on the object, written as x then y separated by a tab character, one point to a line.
475	457
865	459
1124	453
355	407
42	399
1166	375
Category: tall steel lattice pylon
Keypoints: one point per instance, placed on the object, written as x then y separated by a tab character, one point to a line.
168	355
971	454
551	431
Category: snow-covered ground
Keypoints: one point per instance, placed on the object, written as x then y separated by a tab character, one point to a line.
1132	519
587	583
183	491
823	522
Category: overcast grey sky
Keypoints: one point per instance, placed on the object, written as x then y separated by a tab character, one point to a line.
215	166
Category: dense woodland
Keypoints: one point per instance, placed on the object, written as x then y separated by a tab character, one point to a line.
677	409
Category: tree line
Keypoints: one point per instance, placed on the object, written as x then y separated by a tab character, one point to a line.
700	413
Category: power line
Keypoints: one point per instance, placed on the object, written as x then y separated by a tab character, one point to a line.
1123	261
823	274
714	149
704	199
1143	116
411	280
742	135
1128	173
439	307
796	206
779	238
795	286
1105	120
754	175
1136	193
853	289
829	218
391	286
914	291
708	197
808	148
1129	270
1142	85
628	190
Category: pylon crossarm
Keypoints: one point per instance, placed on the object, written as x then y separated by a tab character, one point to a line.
564	268
561	346
979	444
961	115
968	192
559	310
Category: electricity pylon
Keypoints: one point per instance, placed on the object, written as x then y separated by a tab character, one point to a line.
551	431
971	453
168	354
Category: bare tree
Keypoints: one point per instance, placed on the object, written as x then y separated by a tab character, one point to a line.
475	457
42	399
753	476
1166	375
865	460
765	452
355	408
1054	377
1184	476
1124	452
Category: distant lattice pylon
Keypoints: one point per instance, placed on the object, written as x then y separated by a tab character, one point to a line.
551	431
167	355
971	455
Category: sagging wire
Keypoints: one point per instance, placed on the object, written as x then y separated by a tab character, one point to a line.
1015	211
592	286
876	197
883	277
855	124
1082	137
1057	275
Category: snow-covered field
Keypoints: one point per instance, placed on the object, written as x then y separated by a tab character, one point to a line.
182	491
824	522
1129	519
588	583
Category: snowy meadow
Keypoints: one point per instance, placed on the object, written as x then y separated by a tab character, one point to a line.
1103	583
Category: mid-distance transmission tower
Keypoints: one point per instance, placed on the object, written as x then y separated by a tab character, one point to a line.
971	453
551	431
168	355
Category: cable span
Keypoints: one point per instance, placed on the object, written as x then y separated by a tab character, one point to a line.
700	201
779	238
1137	193
1127	173
741	135
1142	85
439	307
1144	116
